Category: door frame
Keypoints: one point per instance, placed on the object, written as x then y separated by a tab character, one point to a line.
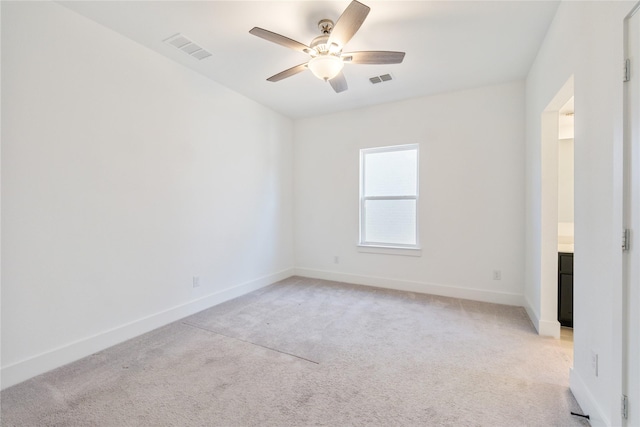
630	319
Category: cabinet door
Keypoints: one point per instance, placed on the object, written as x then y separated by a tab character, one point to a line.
565	300
565	263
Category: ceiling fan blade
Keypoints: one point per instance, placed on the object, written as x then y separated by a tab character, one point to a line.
279	39
288	73
373	57
348	23
339	83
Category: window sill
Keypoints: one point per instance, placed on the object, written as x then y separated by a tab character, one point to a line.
389	250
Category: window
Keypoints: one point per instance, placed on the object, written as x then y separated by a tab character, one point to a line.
389	196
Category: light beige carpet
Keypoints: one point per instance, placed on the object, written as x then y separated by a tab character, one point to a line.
309	352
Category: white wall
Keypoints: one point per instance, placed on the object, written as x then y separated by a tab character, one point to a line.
565	180
124	175
471	209
585	41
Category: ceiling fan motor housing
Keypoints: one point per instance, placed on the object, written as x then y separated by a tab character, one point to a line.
319	44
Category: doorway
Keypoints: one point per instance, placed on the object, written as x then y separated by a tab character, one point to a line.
553	234
566	224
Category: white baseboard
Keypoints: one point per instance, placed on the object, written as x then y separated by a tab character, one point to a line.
533	316
545	328
419	287
36	365
589	406
549	328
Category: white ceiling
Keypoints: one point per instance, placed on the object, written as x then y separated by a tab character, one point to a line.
450	45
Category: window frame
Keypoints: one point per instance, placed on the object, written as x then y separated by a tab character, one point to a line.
386	247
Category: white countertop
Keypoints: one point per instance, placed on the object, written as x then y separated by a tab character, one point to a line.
565	247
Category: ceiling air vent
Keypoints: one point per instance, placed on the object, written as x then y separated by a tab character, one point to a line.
380	79
187	46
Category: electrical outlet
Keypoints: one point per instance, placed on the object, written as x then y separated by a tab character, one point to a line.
594	362
336	259
196	281
497	275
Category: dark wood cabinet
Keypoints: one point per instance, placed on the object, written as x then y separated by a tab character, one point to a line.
565	289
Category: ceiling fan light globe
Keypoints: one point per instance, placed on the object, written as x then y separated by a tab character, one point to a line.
326	67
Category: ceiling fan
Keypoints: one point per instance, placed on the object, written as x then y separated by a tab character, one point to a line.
327	57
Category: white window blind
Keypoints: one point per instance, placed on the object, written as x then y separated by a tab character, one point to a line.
389	196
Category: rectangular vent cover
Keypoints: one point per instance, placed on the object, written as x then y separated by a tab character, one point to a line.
187	46
380	79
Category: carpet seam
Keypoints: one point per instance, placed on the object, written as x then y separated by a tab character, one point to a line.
249	342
